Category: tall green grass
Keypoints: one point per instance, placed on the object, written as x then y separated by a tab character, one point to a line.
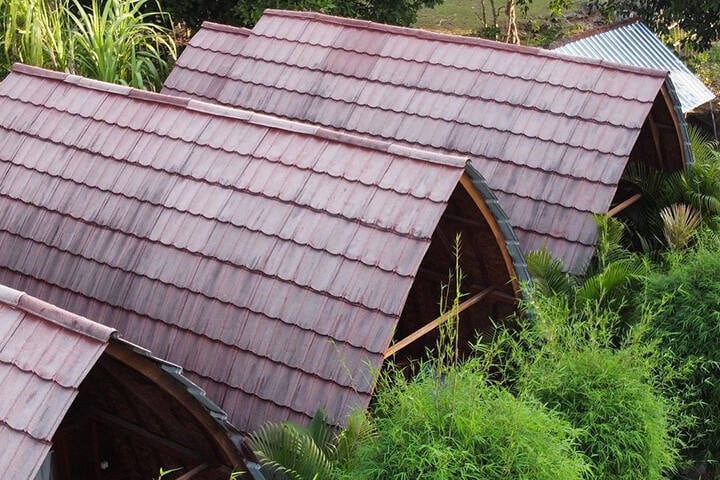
119	41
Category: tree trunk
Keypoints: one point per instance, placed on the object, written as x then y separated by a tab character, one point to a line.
512	31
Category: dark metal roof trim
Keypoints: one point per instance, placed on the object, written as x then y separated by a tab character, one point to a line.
511	239
687	146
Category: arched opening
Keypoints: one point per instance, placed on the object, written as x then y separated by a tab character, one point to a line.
126	425
488	287
660	147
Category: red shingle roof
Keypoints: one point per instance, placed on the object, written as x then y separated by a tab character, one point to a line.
45	353
551	134
271	259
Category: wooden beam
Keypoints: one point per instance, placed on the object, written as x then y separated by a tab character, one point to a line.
622	206
656	140
503	297
191	473
114	421
396	347
152	371
466	182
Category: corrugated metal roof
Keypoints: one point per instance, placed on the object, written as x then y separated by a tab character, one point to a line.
45	353
270	259
633	43
550	134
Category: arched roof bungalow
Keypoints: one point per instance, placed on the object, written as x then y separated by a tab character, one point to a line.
78	401
275	261
551	134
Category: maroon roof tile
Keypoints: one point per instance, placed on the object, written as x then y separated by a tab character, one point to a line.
257	252
553	130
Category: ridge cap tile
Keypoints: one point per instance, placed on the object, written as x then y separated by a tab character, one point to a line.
52	313
450	38
221	27
26	69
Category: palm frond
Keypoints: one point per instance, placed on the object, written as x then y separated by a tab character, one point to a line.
680	224
358	431
548	273
286	449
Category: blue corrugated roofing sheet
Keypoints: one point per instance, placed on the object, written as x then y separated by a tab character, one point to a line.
635	44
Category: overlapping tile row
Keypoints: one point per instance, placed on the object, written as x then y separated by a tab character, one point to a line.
550	134
271	259
631	42
44	356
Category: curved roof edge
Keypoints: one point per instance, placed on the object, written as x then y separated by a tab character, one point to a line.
511	240
684	134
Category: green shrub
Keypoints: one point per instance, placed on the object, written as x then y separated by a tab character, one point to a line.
457	426
608	395
687	330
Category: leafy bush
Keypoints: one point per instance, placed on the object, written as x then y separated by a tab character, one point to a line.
458	426
609	396
688	331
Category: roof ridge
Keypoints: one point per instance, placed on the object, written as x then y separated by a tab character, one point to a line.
53	313
595	31
220	27
473	41
249	116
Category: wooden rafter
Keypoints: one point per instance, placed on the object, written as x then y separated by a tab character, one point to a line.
656	140
134	429
396	347
466	182
622	206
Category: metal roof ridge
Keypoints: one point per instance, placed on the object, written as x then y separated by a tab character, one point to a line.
459	39
220	27
52	313
595	31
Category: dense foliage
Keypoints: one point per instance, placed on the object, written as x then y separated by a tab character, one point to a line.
700	18
247	12
119	41
608	395
688	329
459	426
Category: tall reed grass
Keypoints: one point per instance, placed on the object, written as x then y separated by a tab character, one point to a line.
119	41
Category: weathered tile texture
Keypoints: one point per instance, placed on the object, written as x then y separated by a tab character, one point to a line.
550	134
45	354
269	258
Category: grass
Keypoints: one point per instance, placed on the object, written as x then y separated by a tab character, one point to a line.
464	16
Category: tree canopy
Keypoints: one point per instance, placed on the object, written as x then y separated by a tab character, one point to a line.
699	18
247	12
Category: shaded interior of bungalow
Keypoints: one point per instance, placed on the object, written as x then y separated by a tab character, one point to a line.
487	286
121	426
661	146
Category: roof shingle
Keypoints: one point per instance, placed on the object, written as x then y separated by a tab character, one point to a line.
271	259
550	134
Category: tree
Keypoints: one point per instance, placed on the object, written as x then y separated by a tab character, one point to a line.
247	12
699	18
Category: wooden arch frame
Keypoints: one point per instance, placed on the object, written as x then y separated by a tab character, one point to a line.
467	183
